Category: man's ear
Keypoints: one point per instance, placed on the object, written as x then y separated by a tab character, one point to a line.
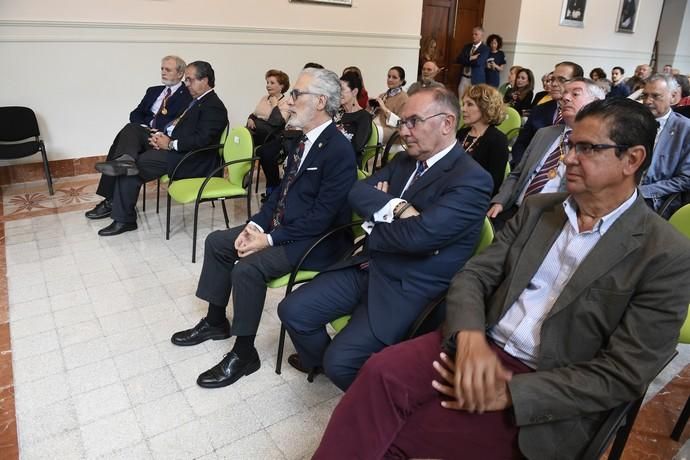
634	159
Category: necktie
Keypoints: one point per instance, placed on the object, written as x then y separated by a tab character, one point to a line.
173	123
163	109
279	212
548	169
558	116
421	167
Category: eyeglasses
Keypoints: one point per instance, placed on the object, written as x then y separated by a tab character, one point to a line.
190	79
587	149
410	123
561	80
295	93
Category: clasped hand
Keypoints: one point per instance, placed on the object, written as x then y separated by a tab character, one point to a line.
159	141
250	240
476	381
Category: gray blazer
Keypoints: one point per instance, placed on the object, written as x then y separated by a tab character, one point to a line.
670	169
518	179
611	329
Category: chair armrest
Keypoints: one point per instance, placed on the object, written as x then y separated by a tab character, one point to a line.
325	236
428	310
389	145
189	154
221	167
667	202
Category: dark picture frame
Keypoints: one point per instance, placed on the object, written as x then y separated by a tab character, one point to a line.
573	13
627	16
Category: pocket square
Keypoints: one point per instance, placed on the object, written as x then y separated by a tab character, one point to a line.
312	169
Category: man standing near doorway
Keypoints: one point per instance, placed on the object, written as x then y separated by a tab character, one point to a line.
473	60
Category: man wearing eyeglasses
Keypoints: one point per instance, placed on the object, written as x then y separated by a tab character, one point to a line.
571	312
310	201
160	105
669	175
542	169
423	212
144	155
548	113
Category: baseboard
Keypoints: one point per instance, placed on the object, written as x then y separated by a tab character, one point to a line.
28	172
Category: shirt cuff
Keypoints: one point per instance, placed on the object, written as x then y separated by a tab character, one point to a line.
385	214
268	236
173	145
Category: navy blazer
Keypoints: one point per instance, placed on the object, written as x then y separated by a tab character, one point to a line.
542	115
411	261
177	102
316	201
201	126
478	65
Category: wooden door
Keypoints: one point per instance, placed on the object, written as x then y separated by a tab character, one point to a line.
446	28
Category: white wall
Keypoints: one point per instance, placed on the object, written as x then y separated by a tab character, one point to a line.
674	29
540	41
84	65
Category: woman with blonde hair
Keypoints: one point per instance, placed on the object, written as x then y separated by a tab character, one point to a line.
482	110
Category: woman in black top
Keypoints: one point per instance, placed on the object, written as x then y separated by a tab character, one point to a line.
352	120
520	96
482	110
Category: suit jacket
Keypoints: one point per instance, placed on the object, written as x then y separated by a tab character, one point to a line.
316	201
200	126
670	168
518	178
411	261
613	326
177	102
540	116
478	65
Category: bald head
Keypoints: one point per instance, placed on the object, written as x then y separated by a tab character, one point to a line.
429	70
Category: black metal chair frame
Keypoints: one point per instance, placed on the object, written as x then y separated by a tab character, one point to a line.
199	199
12	134
394	139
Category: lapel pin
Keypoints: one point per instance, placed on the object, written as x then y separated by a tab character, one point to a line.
320	144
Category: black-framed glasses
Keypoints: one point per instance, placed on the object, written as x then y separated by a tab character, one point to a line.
561	80
189	80
295	93
587	149
410	123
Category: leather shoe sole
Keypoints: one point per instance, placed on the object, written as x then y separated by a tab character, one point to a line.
117	168
228	371
202	332
294	361
117	228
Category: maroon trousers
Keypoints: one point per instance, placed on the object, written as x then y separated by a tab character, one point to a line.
392	411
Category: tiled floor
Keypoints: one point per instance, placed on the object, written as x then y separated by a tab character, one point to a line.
94	373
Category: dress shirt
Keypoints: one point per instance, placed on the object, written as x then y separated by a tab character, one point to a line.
518	332
311	138
662	123
553	185
159	100
385	214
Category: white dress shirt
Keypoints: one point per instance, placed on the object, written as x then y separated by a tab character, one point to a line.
159	100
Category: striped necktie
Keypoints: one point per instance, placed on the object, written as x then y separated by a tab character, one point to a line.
558	116
279	211
548	170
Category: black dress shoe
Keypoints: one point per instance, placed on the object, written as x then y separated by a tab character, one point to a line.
122	166
294	361
117	227
201	333
102	209
229	371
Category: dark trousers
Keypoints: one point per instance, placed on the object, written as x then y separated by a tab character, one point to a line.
131	140
306	311
392	411
269	154
225	273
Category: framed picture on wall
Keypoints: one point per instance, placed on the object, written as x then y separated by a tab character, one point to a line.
627	16
573	13
328	2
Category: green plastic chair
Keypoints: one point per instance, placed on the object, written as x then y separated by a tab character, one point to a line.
510	126
681	220
507	173
237	152
371	150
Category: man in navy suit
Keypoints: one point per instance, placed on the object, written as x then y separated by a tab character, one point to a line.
161	105
310	201
473	60
143	155
424	213
669	172
546	114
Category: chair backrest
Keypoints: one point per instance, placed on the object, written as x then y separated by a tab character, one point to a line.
681	220
507	173
238	145
372	147
510	126
486	236
17	124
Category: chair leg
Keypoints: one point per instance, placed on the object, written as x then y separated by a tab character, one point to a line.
249	205
225	214
46	167
158	194
623	432
143	197
258	173
167	220
196	216
281	347
682	421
